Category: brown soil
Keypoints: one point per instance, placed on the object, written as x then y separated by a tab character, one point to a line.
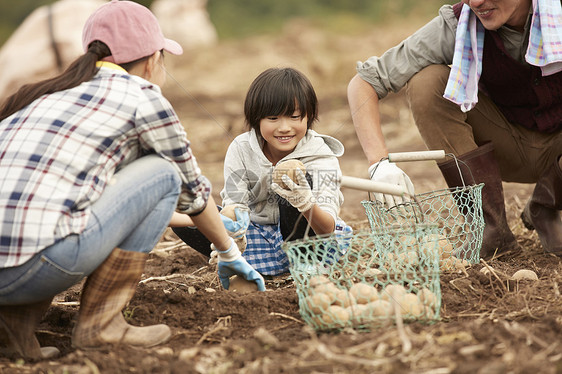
488	323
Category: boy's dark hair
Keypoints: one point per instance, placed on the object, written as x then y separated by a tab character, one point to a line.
278	92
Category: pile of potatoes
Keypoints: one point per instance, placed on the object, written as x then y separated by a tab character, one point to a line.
447	261
363	304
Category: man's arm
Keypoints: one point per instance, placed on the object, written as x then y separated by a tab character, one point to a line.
434	43
364	107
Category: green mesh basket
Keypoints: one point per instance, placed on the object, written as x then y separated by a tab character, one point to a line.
457	212
367	279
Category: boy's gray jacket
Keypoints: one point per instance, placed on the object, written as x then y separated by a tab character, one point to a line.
247	174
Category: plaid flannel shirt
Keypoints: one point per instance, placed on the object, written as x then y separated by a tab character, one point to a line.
58	153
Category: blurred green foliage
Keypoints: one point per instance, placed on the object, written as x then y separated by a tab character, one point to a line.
242	18
12	13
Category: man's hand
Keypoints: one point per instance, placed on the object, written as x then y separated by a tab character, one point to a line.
231	262
387	172
298	194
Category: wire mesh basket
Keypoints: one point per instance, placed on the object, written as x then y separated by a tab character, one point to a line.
367	279
457	212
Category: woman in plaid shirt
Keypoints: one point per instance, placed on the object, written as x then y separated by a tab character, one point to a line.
93	163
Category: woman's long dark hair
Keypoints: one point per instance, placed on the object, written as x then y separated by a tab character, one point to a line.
81	70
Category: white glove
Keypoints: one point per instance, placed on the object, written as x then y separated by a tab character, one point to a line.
241	243
298	195
387	172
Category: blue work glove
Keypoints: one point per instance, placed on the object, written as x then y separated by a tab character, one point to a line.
231	262
237	229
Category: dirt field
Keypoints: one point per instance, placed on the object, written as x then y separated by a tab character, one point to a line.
488	323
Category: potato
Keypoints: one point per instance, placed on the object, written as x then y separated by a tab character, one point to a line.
410	258
330	289
359	313
318	280
390	260
429	301
316	320
375	273
239	284
380	308
228	211
393	262
363	293
393	292
444	248
336	315
402	260
427	243
367	313
287	168
427	297
410	304
318	303
525	274
453	264
321	284
344	298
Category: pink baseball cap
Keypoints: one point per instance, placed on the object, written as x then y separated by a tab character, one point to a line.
129	29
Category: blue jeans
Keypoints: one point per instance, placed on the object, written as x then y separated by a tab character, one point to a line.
132	214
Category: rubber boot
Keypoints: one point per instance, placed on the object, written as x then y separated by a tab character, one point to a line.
480	166
19	323
106	292
542	212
